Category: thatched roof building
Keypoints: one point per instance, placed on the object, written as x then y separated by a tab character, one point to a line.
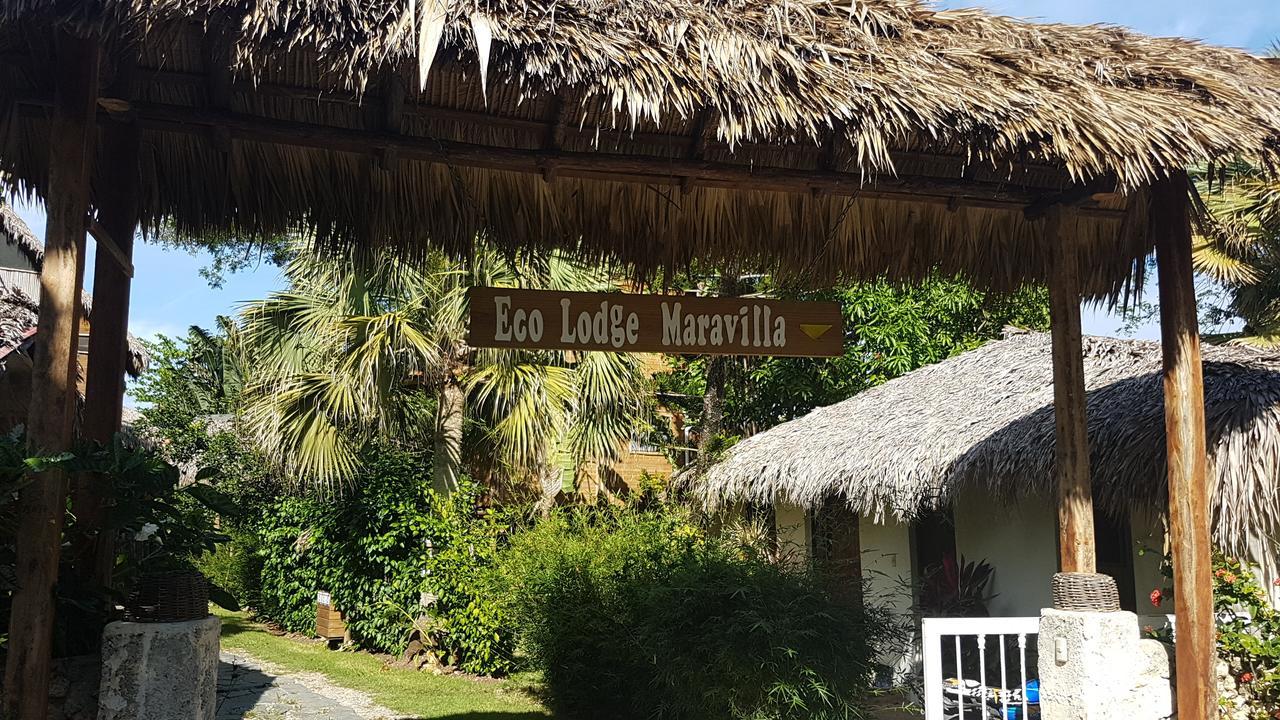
985	419
19	312
825	138
15	233
819	138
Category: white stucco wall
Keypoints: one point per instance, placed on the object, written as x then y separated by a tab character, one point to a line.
1019	541
886	563
886	569
794	532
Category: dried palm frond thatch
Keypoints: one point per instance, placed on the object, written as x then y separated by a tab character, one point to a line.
984	419
848	138
14	232
20	313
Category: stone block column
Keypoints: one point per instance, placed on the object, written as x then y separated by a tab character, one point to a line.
1095	666
159	671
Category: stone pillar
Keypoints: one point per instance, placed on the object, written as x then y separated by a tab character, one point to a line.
159	671
1095	666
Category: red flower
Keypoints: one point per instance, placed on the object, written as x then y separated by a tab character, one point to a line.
1219	572
1276	582
1246	677
1157	597
1230	578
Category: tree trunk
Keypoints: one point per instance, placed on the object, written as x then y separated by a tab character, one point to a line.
712	411
446	460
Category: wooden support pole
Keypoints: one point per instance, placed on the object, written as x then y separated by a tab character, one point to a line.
117	202
1071	449
1184	428
41	504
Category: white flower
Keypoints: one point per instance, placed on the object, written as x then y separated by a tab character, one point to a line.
146	532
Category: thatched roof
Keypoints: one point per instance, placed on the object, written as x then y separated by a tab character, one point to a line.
985	419
19	316
19	312
851	138
14	232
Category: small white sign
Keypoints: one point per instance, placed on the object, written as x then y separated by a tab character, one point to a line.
323	598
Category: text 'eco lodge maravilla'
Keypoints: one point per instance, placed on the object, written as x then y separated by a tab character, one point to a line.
503	317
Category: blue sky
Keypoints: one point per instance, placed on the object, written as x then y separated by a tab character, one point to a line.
169	295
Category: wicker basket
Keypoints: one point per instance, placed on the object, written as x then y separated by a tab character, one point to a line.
1085	592
166	597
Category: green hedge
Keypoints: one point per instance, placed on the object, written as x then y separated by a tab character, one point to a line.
645	616
375	549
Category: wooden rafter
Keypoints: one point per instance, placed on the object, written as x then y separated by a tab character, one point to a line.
617	167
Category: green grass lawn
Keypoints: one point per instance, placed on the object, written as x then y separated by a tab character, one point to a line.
416	694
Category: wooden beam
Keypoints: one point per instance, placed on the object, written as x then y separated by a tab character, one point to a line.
1185	436
1071	197
106	244
117	201
618	167
596	165
41	504
392	115
964	168
555	134
218	82
1071	448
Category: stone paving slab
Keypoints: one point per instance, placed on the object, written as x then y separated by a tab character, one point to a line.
250	689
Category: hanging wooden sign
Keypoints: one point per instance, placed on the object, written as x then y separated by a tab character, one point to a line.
674	324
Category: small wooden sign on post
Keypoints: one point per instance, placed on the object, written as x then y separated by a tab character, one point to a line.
673	324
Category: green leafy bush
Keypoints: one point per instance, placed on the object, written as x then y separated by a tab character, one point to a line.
375	550
235	566
646	616
367	548
1248	630
1248	635
469	620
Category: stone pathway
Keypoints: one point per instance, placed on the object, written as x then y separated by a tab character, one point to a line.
249	689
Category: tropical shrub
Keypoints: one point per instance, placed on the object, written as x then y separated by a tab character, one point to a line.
469	621
366	548
376	549
1248	636
634	615
154	526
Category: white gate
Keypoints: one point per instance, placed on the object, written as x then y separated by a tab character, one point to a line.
976	643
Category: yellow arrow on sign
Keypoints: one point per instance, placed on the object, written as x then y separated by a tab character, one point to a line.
814	331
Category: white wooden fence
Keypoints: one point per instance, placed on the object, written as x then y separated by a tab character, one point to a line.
1009	639
1012	638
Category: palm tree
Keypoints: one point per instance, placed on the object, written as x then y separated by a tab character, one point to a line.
1238	244
358	350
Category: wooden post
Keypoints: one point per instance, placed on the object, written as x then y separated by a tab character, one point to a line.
1071	448
117	202
1184	429
49	427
